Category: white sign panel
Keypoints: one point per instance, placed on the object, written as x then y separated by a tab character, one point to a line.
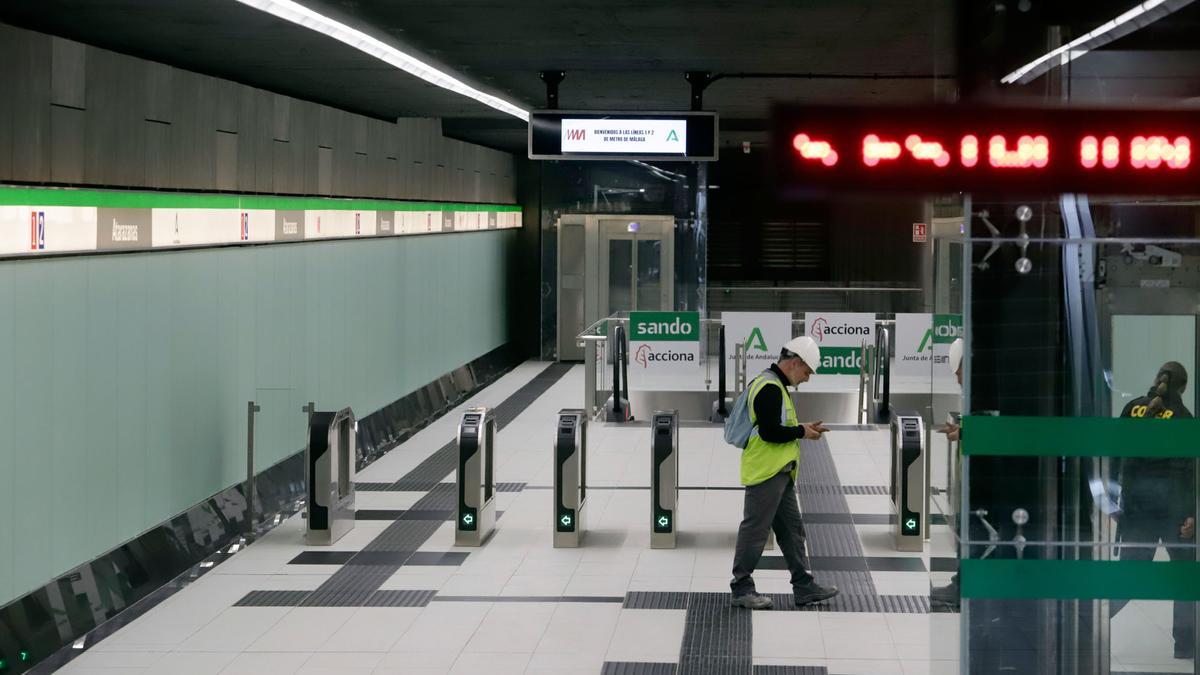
763	333
664	349
840	336
914	345
47	229
658	136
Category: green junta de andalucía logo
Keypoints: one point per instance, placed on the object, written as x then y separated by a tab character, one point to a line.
946	329
672	136
756	340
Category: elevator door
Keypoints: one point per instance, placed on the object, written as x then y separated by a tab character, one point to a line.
635	266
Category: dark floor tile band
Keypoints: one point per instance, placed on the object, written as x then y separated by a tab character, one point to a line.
601	599
848	563
716	633
790	670
378	514
637	668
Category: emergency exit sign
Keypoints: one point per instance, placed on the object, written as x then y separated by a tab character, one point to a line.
919	233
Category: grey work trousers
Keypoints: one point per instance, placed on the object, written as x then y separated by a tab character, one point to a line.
770	505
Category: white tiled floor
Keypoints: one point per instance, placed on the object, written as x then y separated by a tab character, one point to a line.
200	631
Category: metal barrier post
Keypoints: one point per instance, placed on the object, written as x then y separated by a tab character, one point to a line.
248	491
476	490
329	461
570	478
664	478
908	480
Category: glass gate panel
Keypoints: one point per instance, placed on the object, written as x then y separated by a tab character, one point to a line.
620	276
649	275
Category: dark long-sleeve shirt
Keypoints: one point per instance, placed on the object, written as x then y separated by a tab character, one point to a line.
768	411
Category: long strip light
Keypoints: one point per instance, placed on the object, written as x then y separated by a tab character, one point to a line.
1142	14
303	16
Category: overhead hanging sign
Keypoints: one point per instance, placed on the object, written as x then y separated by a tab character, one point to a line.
556	134
961	148
661	136
763	334
840	336
663	347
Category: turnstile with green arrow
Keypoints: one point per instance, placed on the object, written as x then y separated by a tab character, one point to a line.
570	478
476	491
664	477
908	480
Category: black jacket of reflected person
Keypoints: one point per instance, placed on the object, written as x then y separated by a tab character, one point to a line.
1158	487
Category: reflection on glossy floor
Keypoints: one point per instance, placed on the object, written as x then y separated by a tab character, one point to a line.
517	605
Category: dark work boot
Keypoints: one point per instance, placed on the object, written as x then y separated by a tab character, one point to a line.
752	601
813	592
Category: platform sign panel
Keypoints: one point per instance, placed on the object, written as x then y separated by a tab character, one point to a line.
123	228
629	136
664	349
840	336
599	135
763	333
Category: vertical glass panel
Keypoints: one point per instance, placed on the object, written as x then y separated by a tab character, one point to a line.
649	275
620	275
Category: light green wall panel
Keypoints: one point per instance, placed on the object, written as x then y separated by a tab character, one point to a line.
124	379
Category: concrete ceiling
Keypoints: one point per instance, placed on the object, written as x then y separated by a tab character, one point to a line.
618	54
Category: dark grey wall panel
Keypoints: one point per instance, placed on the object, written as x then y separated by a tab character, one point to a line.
226	161
66	144
29	93
143	124
68	75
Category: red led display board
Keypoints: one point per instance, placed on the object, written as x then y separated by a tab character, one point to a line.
987	150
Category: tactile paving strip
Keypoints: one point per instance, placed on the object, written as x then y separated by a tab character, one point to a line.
656	600
400	598
846	603
717	637
272	599
866	490
790	670
630	668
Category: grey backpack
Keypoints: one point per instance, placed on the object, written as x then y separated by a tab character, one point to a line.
738	426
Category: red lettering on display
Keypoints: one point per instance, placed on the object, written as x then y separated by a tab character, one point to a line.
927	150
969	151
1152	152
814	149
874	150
1031	151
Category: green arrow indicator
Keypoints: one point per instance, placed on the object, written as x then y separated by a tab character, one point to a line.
910	524
663	521
566	521
468	519
24	656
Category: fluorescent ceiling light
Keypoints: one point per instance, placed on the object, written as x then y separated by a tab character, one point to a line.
1142	14
303	16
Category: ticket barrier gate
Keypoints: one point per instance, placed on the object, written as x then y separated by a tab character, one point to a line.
476	487
908	480
570	478
329	457
664	478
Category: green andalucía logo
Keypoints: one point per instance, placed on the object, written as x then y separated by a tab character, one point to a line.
672	136
946	329
756	340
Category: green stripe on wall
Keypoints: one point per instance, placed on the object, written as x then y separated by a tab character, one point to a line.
1080	437
1080	579
23	196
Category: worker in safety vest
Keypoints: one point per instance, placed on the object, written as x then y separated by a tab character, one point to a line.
770	463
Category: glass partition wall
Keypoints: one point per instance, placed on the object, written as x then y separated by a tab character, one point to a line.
1075	499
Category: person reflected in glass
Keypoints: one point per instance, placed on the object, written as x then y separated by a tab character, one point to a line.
1159	498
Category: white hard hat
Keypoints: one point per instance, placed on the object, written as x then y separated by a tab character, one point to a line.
956	354
807	349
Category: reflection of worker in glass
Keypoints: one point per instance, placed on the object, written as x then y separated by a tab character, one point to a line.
1159	497
950	593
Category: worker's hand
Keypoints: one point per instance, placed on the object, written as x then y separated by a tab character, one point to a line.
952	431
814	430
1188	531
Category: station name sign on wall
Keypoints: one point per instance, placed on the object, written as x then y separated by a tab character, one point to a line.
685	136
1001	150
